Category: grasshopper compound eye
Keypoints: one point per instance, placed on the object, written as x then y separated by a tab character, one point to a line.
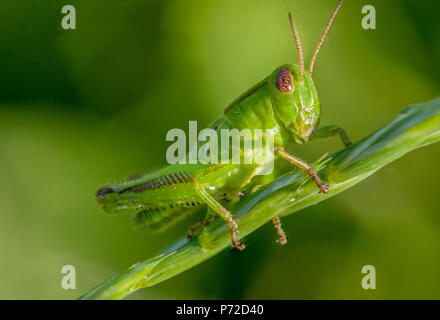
284	80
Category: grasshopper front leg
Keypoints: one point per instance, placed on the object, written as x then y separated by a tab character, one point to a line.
221	211
330	131
301	164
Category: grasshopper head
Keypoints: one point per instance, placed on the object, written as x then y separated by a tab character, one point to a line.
293	92
295	101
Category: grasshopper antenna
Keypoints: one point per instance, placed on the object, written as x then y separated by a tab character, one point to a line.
321	41
298	46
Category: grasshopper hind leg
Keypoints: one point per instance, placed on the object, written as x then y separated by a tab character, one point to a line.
194	230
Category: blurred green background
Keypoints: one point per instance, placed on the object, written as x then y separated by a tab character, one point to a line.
83	107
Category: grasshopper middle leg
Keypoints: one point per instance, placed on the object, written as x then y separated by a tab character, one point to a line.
282	237
221	211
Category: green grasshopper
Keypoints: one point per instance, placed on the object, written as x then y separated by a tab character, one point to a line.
285	102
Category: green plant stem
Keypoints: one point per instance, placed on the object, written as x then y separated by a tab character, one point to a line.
413	127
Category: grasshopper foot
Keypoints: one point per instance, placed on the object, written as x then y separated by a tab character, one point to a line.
323	188
233	227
